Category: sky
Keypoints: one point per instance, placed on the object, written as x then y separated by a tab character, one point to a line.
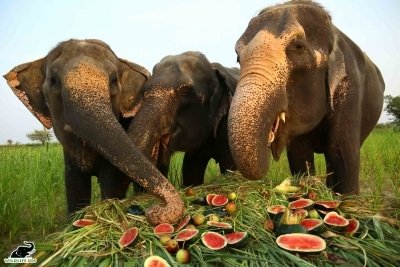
146	31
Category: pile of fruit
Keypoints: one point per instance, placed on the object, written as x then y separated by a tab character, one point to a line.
234	222
206	226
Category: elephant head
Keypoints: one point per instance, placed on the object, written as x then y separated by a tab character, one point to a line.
81	88
301	75
184	102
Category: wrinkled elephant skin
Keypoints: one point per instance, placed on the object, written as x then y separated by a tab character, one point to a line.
185	108
306	86
88	94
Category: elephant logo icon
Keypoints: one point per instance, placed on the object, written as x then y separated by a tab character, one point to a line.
22	254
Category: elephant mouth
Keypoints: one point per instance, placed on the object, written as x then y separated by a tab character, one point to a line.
276	136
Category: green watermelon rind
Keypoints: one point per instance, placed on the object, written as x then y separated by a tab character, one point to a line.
309	204
194	232
206	243
296	248
125	240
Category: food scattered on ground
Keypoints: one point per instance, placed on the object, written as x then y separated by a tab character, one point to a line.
262	224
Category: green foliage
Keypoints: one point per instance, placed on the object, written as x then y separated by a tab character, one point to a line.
44	136
33	204
393	107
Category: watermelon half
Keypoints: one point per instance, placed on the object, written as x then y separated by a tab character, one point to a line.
299	242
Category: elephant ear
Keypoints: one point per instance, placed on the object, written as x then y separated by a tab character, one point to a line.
222	97
132	77
336	70
26	81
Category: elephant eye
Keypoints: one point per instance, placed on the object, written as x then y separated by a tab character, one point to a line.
53	80
238	59
299	45
113	79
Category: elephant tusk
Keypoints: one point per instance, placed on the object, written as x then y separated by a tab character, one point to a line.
271	137
272	133
282	116
276	126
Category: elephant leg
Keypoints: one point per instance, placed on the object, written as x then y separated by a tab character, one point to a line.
220	149
343	161
113	182
301	156
77	185
194	166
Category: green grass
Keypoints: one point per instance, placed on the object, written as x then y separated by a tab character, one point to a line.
32	197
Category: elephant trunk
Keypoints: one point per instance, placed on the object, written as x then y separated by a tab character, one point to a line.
256	110
150	129
88	113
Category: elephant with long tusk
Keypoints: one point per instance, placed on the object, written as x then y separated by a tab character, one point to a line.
83	90
306	86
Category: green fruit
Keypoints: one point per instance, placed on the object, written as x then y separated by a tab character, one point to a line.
313	214
183	256
198	219
213	218
232	196
164	239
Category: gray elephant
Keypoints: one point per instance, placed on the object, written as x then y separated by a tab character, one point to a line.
24	251
83	90
306	86
185	108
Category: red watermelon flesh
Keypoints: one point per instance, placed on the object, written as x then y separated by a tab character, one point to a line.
186	234
209	198
156	261
182	223
332	218
128	237
222	225
327	204
83	223
301	242
235	237
163	229
219	200
303	203
275	209
353	226
214	240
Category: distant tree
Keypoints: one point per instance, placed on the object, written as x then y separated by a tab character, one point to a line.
44	136
393	107
9	142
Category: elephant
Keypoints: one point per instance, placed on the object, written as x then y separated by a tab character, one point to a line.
24	251
84	91
306	86
185	108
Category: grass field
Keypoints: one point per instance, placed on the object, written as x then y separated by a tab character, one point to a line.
32	198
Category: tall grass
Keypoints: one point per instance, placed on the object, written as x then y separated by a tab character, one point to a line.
32	194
